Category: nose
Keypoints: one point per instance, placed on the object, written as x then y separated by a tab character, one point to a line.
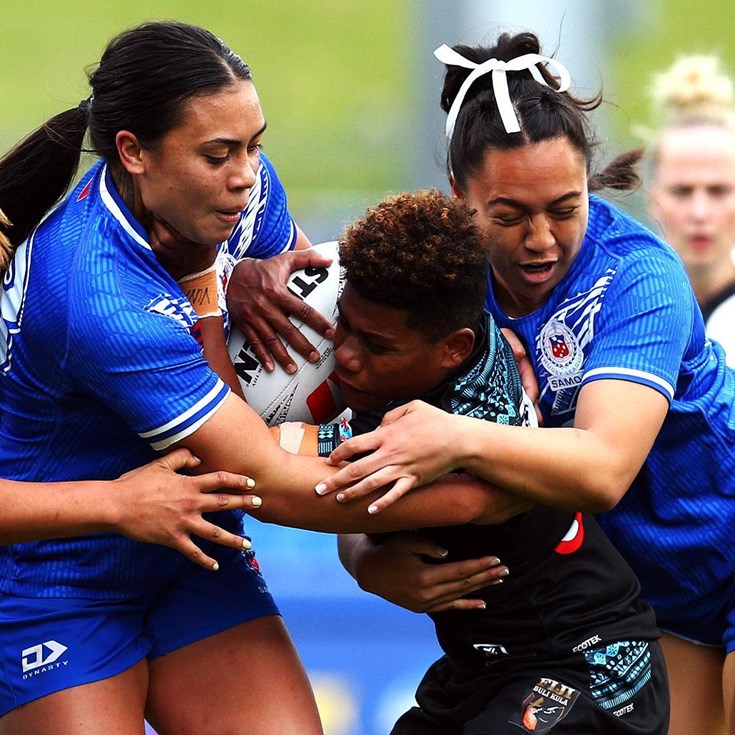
700	206
539	237
243	173
346	354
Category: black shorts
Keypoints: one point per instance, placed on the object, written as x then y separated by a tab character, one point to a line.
619	689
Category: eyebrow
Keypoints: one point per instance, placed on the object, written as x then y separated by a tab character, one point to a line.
515	203
370	335
232	142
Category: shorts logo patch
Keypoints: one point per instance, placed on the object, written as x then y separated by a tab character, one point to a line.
42	656
545	705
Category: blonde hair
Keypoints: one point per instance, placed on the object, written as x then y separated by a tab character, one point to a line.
693	89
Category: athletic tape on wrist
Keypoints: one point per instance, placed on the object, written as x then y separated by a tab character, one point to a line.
201	290
291	434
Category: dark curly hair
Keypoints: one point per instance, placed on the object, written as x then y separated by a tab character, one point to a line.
422	253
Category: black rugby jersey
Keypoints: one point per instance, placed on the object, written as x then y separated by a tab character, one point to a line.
569	589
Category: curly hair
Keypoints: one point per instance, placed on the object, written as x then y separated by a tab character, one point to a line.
422	253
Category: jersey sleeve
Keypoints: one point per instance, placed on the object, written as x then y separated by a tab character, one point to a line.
645	324
145	364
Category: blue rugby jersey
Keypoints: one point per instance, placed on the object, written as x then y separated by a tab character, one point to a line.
100	367
625	310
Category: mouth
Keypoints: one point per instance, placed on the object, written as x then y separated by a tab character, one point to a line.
354	397
229	216
537	272
699	243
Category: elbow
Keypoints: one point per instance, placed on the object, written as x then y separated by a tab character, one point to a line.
602	496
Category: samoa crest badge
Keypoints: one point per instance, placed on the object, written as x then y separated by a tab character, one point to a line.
561	354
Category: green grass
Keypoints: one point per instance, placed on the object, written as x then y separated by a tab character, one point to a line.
328	74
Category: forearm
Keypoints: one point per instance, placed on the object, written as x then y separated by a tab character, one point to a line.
564	467
452	500
37	511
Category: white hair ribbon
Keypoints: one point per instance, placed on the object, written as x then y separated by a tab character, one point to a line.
449	56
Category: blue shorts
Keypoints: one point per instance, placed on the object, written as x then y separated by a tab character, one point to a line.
50	644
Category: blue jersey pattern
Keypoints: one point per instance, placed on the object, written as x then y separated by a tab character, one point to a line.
100	367
625	311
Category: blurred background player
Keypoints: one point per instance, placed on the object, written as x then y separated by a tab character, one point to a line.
692	183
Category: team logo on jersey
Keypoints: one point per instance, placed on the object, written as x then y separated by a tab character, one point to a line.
561	354
42	657
491	649
573	538
84	193
545	705
177	308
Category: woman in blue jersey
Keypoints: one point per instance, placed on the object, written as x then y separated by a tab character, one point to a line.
153	503
637	403
110	314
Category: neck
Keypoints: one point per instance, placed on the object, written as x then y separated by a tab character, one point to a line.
708	282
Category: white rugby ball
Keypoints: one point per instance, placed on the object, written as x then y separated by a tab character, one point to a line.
312	393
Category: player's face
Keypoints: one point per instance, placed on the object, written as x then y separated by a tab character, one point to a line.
379	358
532	203
693	195
198	178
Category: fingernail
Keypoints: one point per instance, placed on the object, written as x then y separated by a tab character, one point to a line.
442	552
215	566
268	367
291	368
341	498
256	501
250	482
482	605
321	488
329	334
246	544
373	509
314	356
497	581
495	562
505	572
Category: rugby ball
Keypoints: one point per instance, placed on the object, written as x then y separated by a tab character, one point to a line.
312	393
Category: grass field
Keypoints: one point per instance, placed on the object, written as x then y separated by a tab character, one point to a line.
328	74
332	76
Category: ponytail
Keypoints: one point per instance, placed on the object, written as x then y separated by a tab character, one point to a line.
37	172
6	250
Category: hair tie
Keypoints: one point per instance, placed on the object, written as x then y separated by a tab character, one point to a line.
450	57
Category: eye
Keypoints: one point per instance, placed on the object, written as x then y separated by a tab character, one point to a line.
508	219
218	160
564	212
255	149
375	348
680	192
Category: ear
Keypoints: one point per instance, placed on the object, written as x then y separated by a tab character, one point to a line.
130	152
457	193
457	347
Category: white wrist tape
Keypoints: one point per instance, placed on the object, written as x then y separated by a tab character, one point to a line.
291	435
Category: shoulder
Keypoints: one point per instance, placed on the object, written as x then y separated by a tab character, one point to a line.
629	250
622	236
